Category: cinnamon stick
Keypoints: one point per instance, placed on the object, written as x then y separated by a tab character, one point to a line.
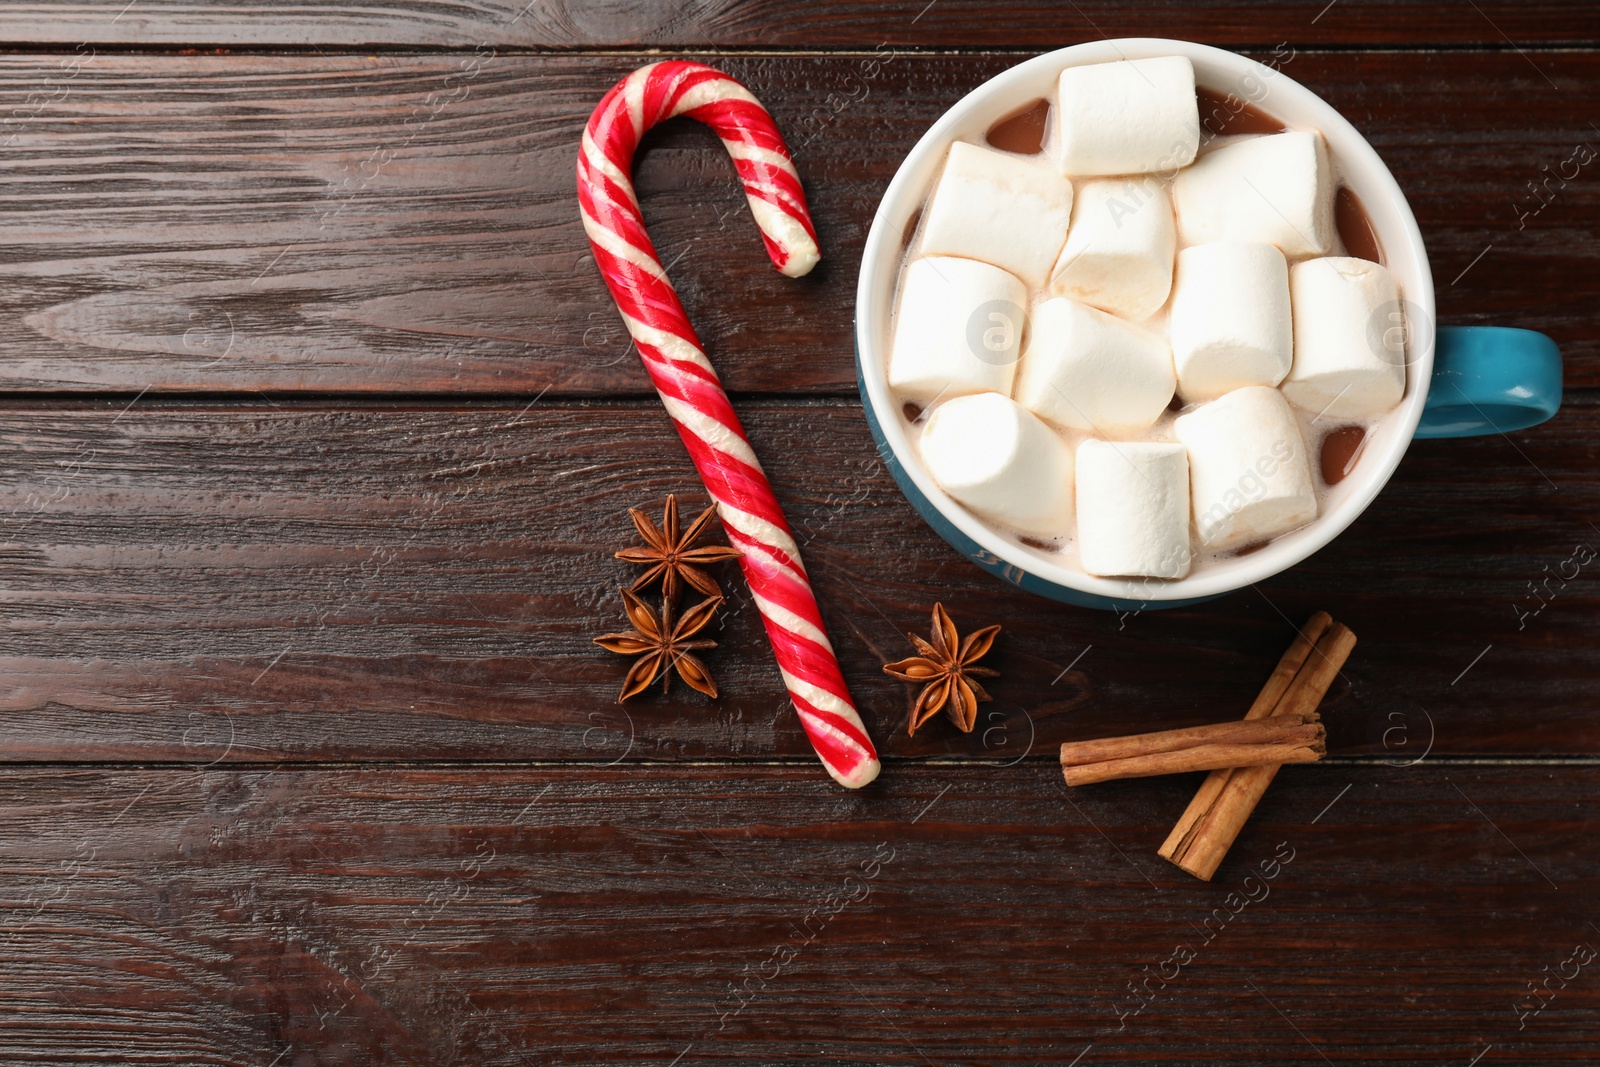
1078	756
1277	683
1294	657
1304	745
1289	664
1225	801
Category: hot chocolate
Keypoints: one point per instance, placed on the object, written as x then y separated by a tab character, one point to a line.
1175	311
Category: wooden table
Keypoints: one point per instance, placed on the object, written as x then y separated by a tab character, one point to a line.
320	431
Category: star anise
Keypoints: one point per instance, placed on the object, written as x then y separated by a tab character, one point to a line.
670	555
945	667
662	643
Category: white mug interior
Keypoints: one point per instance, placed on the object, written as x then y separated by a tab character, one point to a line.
1272	91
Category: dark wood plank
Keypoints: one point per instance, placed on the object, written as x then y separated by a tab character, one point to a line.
303	582
756	915
769	23
399	223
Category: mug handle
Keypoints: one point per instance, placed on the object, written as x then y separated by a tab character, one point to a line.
1490	379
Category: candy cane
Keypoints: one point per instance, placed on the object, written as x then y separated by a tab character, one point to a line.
688	385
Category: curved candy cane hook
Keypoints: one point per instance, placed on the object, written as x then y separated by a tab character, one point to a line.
688	385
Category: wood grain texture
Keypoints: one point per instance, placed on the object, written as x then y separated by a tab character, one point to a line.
382	223
446	917
312	581
216	585
768	23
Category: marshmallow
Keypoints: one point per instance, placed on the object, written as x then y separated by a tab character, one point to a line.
1131	117
1349	338
999	208
1133	509
1249	474
992	455
1277	189
958	329
1087	370
1118	255
1230	320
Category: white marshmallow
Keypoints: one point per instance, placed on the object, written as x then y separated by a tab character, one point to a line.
1349	338
958	329
1277	189
1230	322
1131	117
1118	255
1133	509
999	208
992	455
1249	473
1087	370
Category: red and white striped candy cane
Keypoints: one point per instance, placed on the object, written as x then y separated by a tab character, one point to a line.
688	385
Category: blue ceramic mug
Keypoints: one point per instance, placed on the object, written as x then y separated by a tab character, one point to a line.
1461	381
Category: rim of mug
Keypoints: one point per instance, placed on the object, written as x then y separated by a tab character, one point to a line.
1358	163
